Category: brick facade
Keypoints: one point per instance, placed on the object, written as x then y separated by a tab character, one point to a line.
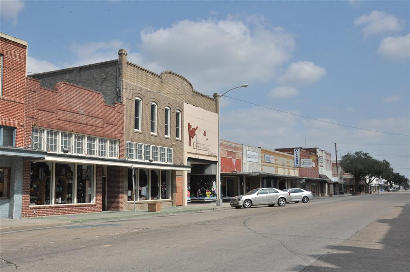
305	153
14	52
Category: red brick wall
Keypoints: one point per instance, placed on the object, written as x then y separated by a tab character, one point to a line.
72	108
116	190
32	211
14	82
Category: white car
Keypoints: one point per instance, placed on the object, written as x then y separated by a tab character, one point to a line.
297	194
261	196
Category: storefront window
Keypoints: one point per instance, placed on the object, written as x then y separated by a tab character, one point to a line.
4	182
40	181
130	186
85	183
143	184
154	184
165	184
64	183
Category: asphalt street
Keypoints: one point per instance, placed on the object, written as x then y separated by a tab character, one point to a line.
361	233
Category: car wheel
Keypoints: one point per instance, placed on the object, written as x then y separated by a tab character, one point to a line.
281	201
305	199
247	203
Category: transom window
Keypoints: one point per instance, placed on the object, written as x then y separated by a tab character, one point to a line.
67	142
130	150
147	152
155	156
162	157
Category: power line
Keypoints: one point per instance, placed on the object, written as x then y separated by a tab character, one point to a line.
316	119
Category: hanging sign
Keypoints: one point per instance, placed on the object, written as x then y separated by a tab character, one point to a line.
296	155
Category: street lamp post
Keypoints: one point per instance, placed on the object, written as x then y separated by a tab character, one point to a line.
218	97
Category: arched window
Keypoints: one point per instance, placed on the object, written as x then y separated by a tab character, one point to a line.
138	114
167	122
154	118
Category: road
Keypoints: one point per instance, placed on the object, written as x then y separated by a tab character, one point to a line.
363	233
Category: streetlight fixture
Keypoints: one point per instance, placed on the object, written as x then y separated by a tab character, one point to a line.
218	97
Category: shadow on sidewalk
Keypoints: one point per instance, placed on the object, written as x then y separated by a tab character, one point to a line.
392	253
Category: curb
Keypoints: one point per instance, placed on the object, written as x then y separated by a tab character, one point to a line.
125	217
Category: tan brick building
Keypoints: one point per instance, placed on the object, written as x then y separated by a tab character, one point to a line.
155	125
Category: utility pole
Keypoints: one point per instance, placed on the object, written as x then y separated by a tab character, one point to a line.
337	167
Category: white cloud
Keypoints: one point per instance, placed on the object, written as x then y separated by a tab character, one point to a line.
391	99
39	66
217	54
10	8
302	73
378	22
283	91
395	48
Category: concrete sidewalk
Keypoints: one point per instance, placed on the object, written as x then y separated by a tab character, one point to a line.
11	225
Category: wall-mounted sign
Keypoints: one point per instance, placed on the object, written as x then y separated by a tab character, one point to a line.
296	155
269	158
252	156
307	163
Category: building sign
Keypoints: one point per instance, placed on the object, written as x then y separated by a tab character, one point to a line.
269	169
200	133
307	163
296	155
269	158
252	156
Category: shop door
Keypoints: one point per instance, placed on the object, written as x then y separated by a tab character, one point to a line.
104	193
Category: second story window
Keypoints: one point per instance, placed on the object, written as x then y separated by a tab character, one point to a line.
129	149
7	136
91	146
155	156
102	147
138	114
140	152
147	152
66	139
178	125
154	118
52	140
37	139
167	121
79	144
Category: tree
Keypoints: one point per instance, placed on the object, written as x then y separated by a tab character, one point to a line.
362	165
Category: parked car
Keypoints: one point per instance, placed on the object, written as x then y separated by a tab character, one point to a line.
298	194
261	196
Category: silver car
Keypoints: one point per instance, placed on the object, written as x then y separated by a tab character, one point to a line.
261	196
298	194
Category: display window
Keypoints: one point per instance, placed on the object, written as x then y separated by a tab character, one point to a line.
165	184
40	189
154	184
143	184
130	186
59	183
202	187
85	183
64	177
4	182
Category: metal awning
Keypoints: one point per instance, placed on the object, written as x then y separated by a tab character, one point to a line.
113	162
21	152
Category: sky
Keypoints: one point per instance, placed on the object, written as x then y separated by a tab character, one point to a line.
319	72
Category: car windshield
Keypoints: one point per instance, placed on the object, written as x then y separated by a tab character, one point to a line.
252	192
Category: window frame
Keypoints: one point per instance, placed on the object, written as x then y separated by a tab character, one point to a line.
153	153
2	136
167	122
178	121
139	114
130	146
154	122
